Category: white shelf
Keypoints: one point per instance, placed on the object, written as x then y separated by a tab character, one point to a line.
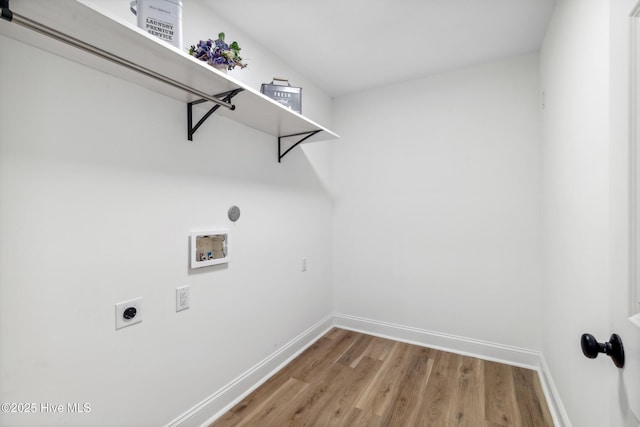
79	19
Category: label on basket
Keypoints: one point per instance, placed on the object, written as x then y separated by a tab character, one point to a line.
160	18
289	96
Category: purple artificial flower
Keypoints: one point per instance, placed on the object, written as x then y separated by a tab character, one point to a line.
217	52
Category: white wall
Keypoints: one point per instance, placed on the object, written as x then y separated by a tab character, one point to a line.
575	79
99	189
437	204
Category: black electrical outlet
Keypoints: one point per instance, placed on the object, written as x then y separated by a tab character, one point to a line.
130	313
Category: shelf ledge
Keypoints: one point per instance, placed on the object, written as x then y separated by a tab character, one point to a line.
79	31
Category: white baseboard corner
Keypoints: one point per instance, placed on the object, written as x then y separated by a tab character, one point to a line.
558	412
468	347
224	399
455	344
214	406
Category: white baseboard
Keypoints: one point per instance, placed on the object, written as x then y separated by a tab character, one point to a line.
224	399
466	346
558	412
451	343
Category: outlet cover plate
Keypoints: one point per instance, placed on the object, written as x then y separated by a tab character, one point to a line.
183	298
121	322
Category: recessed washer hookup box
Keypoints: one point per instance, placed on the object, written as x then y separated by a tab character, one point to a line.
209	248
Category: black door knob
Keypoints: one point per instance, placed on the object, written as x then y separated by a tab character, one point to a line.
612	348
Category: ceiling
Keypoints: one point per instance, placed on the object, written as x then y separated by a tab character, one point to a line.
346	46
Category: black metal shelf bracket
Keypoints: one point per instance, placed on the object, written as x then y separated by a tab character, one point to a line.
5	13
305	135
225	96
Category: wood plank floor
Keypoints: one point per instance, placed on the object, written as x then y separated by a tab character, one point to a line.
351	379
